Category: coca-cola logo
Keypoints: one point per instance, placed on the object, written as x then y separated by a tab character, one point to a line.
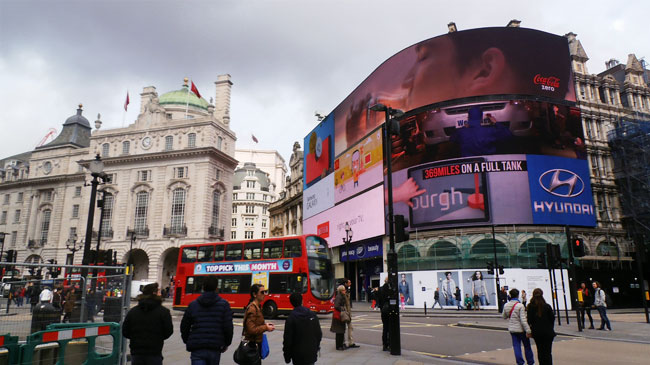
547	83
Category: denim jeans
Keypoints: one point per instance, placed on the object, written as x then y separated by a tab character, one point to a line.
205	357
517	340
603	318
482	299
450	301
146	359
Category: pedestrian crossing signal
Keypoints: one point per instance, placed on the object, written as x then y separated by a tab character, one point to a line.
578	246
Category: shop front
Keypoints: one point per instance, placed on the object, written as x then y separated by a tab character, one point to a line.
363	264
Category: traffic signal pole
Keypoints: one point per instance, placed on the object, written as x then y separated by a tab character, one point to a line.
496	269
573	285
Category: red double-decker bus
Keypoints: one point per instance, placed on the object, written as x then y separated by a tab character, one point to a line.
284	265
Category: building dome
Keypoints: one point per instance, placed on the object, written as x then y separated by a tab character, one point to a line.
78	119
241	174
182	98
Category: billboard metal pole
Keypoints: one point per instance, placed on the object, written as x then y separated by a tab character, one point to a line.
496	270
573	283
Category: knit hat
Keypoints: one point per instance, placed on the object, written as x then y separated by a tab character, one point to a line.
150	289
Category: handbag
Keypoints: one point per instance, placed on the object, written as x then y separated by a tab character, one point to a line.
337	314
265	347
345	317
247	352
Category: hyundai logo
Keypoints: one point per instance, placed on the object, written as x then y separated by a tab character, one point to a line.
562	183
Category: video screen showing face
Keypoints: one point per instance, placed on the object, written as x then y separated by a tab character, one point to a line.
453	193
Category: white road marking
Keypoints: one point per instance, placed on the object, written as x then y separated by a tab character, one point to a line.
403	333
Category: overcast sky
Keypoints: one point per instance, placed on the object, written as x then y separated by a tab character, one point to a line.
287	58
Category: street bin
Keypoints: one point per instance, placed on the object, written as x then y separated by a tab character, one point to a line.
43	315
113	309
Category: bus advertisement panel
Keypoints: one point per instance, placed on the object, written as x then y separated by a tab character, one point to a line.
284	265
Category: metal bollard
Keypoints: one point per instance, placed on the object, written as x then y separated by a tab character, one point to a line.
425	308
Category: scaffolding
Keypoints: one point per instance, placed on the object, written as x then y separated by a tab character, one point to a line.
630	144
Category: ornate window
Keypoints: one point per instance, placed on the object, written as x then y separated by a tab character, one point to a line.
191	140
105	149
216	205
141	208
126	146
250	209
219	143
169	143
107	216
178	209
45	224
248	235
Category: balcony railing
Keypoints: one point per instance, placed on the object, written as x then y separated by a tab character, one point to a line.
216	232
175	231
141	232
107	233
38	243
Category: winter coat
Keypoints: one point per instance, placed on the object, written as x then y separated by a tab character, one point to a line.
302	336
70	300
541	327
254	326
517	321
339	304
383	298
587	298
207	323
147	325
436	295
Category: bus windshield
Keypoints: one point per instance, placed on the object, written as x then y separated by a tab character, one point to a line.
320	268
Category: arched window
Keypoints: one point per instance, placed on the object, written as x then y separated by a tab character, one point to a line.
45	225
443	248
533	247
191	140
178	210
407	252
607	248
486	247
216	205
141	209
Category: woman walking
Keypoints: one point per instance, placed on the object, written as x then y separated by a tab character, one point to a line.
600	302
254	324
338	326
541	319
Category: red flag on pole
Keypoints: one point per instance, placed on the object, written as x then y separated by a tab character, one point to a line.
126	102
254	139
195	90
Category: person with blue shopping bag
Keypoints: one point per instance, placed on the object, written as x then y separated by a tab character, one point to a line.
254	324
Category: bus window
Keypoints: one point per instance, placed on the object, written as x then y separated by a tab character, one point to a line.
233	251
194	285
205	253
279	284
235	284
273	249
218	253
316	247
253	251
188	254
292	248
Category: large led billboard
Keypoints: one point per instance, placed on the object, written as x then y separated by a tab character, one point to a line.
360	167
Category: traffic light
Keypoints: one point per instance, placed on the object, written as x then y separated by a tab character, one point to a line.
541	260
501	271
578	246
490	267
401	234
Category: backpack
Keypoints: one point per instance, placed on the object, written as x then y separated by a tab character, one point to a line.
608	299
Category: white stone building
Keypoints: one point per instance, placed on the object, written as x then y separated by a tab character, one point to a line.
268	161
251	197
286	212
169	180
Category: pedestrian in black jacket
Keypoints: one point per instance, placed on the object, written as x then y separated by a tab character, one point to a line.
206	327
148	325
302	334
383	297
541	319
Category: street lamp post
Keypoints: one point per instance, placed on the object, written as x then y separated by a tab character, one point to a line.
2	248
96	168
391	127
346	241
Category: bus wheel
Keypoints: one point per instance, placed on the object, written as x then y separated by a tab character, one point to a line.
270	309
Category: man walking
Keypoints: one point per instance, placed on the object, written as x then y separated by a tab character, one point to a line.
436	299
302	334
147	326
383	303
348	304
585	305
206	327
518	327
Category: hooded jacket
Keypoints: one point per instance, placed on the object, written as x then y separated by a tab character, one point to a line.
147	325
207	323
302	336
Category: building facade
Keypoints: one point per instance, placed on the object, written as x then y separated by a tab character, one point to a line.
168	182
286	212
268	161
251	197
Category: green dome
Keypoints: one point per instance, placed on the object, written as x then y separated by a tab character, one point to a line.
183	97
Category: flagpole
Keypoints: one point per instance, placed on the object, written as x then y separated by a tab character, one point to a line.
187	104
